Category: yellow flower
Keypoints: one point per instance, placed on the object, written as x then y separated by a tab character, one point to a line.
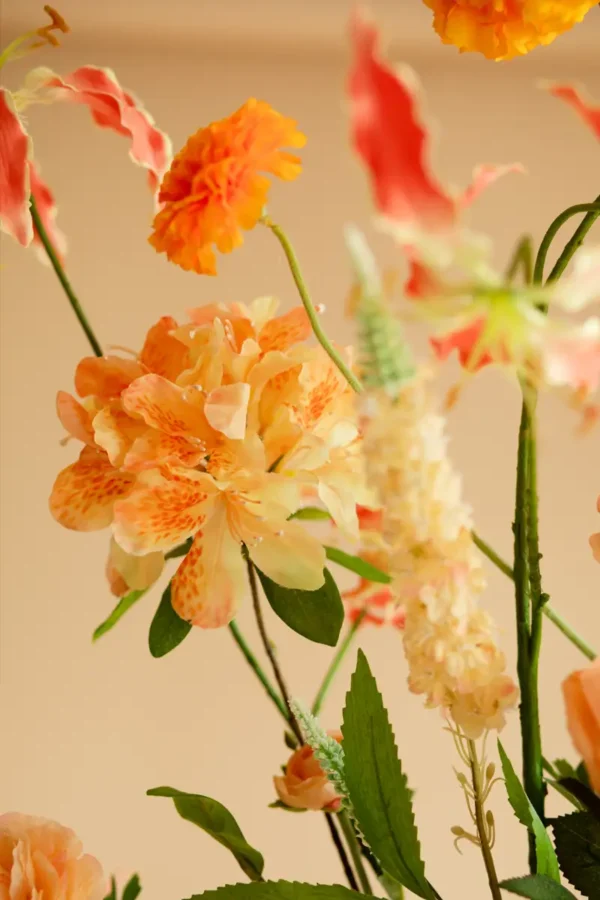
503	29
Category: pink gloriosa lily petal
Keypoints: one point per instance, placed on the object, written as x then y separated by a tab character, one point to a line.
15	155
577	100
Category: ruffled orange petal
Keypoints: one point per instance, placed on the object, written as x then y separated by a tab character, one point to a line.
285	331
84	493
162	353
105	377
74	418
115	431
154	448
163	405
226	409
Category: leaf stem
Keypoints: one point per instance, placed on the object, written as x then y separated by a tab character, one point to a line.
309	306
481	823
354	846
592	211
335	664
65	283
257	669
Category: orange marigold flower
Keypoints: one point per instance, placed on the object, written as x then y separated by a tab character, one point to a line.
215	187
503	29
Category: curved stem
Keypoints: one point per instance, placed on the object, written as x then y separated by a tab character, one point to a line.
335	664
257	669
481	823
308	305
352	842
66	285
593	211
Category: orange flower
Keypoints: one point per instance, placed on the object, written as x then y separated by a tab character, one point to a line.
215	187
304	784
582	698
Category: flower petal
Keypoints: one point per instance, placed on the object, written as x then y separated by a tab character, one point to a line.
154	448
126	572
115	431
75	418
46	207
162	353
15	154
226	409
391	140
284	331
580	102
210	581
160	403
85	492
287	554
340	500
105	377
486	175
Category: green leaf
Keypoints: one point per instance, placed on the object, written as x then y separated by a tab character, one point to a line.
113	889
182	550
565	793
216	820
310	513
167	629
537	887
358	565
316	615
132	889
377	785
124	604
547	864
586	797
564	768
577	839
279	804
278	890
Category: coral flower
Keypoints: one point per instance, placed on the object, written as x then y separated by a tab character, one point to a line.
216	185
304	784
503	29
581	691
40	858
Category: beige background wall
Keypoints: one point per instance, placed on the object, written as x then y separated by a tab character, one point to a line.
85	730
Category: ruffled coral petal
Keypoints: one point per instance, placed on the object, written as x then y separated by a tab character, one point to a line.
105	377
580	102
162	353
15	153
285	331
486	175
465	341
392	142
210	581
226	409
163	405
74	418
84	494
164	509
154	448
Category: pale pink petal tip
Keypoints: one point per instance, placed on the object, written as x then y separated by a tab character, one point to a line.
486	175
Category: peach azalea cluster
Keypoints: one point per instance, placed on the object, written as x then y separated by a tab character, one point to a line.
215	431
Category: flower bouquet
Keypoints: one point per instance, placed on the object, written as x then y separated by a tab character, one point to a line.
211	452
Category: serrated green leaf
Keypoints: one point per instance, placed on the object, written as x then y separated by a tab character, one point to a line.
311	514
357	565
213	818
537	887
583	794
564	768
167	629
547	863
123	606
316	615
132	889
377	785
577	840
565	793
278	890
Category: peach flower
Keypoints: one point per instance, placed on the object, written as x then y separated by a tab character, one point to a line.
305	785
581	691
40	858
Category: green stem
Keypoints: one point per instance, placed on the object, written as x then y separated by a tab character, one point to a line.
492	555
60	274
308	305
480	821
354	847
257	669
592	211
521	258
335	664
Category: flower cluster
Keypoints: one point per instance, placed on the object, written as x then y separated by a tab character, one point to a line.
216	431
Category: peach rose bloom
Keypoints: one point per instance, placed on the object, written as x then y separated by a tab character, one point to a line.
305	785
582	697
595	538
40	858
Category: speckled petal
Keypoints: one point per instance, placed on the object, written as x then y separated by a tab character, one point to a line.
84	493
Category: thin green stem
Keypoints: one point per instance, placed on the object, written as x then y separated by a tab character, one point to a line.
257	669
592	211
309	306
350	877
492	555
354	847
66	285
480	821
522	258
335	664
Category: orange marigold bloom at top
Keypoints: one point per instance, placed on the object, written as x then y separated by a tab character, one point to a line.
503	29
215	187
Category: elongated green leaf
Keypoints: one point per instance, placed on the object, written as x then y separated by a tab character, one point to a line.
537	887
167	629
278	890
311	513
316	615
577	839
358	565
217	821
585	795
377	785
547	863
123	606
112	895
182	550
132	889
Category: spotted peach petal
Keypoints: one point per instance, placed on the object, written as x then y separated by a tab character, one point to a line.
164	509
287	554
74	418
46	207
580	102
339	498
127	572
164	405
105	377
210	581
284	331
226	409
155	448
162	353
486	175
391	140
115	431
84	494
15	153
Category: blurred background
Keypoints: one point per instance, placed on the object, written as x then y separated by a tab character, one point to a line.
86	729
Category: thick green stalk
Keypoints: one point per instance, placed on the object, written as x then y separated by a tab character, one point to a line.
354	846
335	664
66	285
592	211
308	305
